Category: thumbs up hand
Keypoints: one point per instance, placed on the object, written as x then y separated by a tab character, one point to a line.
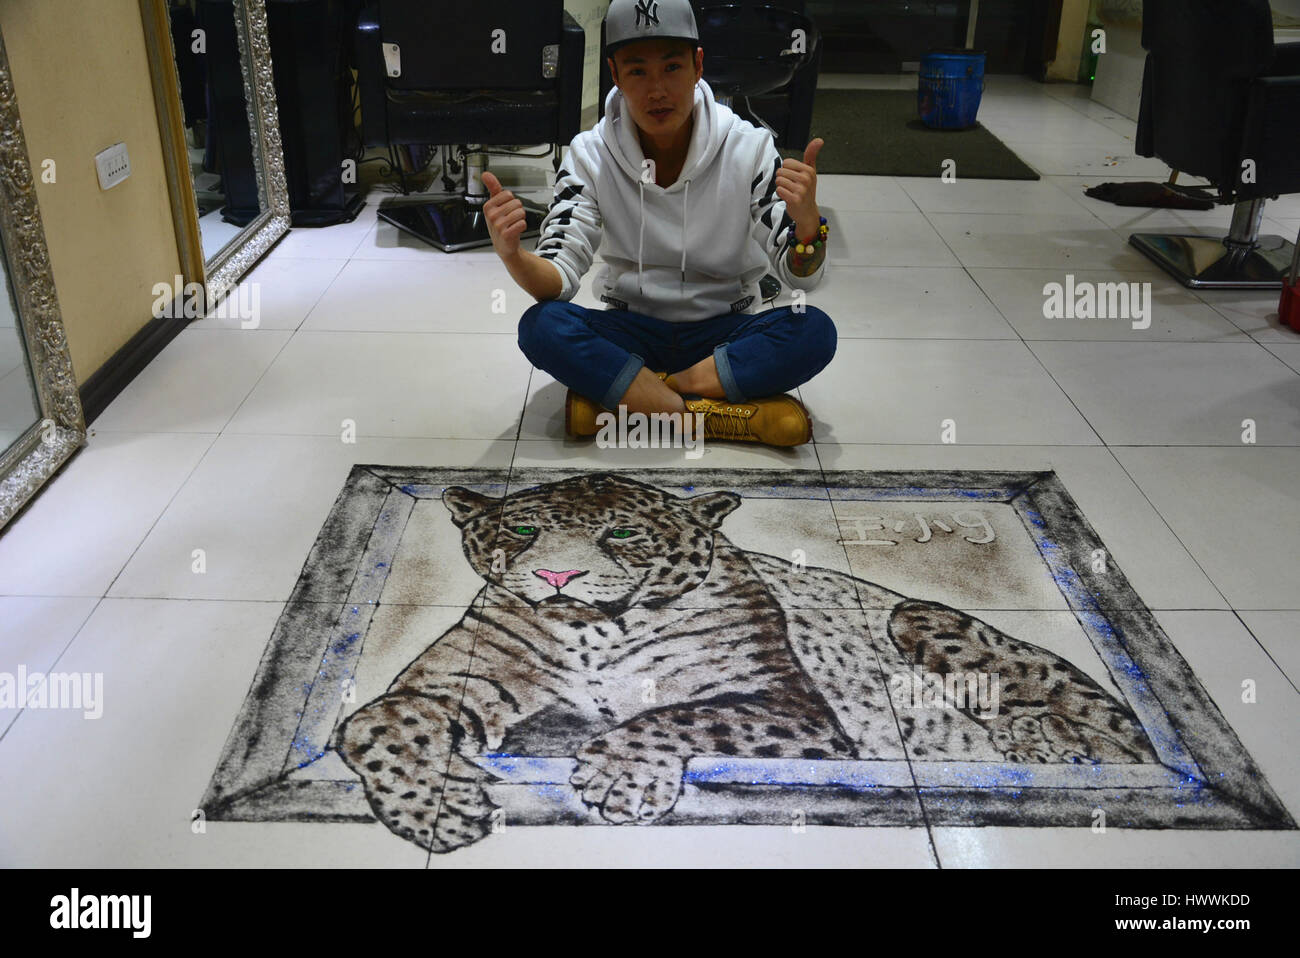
505	217
796	183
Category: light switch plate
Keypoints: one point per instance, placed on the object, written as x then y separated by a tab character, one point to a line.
114	165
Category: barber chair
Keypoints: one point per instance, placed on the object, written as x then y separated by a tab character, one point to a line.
313	90
493	72
1220	100
229	138
750	52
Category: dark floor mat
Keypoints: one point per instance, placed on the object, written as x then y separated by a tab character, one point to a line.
878	133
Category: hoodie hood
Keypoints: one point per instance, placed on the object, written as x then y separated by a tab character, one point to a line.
712	122
722	208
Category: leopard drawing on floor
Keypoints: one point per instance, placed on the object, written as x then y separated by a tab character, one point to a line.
600	587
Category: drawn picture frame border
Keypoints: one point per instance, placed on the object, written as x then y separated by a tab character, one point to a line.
339	588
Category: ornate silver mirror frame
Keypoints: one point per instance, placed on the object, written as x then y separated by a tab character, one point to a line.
60	428
224	269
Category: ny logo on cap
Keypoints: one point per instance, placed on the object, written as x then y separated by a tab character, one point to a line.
649	10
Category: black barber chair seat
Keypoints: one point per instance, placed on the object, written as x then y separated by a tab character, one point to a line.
439	72
749	48
1220	100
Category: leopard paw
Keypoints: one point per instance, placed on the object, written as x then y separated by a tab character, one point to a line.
1045	738
627	790
465	813
439	819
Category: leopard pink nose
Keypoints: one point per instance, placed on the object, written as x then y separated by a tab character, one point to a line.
557	579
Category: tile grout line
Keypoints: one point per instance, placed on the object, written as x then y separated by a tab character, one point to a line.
1165	521
479	620
57	659
1263	648
1023	342
907	756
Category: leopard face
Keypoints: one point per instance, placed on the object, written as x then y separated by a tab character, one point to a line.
599	540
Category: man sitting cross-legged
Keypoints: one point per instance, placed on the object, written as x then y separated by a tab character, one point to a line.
694	205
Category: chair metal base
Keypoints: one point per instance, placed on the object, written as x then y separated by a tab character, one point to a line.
454	224
352	205
1208	262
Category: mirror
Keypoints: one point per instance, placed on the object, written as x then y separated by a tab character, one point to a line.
41	422
211	66
18	403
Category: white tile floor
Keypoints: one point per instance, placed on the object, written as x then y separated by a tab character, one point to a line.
230	442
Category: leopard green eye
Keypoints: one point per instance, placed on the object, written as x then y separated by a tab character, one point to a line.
622	533
524	530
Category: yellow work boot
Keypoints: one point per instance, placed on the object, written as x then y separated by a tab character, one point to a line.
776	421
580	412
580	415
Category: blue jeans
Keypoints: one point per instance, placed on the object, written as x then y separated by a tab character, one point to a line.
598	352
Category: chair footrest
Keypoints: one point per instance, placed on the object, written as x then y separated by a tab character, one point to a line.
1205	262
453	224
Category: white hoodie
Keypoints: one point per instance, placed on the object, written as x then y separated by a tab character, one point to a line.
694	250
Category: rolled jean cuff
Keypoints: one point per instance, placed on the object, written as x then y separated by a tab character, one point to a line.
623	381
725	375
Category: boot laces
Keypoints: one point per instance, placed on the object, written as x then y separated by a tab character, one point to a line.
727	422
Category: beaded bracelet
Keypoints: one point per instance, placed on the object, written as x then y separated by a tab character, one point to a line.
802	254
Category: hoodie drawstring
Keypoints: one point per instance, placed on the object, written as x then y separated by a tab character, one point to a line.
686	205
640	249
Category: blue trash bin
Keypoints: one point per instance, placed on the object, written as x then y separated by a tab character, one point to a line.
950	87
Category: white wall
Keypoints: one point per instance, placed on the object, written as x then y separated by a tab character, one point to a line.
1118	84
1069	41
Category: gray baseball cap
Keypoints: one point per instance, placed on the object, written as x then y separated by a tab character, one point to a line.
630	20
